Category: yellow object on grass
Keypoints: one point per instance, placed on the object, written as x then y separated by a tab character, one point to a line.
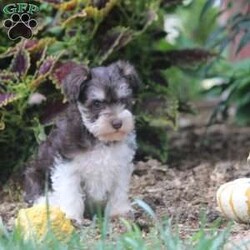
38	220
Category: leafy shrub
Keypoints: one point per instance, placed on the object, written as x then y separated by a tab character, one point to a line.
93	33
234	86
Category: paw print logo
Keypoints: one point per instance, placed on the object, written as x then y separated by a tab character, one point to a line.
20	26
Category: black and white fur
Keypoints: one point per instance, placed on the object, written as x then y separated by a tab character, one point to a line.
87	157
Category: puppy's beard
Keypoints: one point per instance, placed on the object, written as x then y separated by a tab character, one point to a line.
102	129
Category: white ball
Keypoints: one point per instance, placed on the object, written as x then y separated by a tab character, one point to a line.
233	199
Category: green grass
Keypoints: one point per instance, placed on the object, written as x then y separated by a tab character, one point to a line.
159	237
101	235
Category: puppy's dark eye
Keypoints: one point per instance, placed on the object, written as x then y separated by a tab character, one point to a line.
97	104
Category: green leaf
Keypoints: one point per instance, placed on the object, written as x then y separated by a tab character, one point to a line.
145	207
244	24
215	36
80	16
243	41
208	5
114	40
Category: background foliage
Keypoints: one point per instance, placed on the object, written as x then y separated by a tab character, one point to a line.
229	39
96	33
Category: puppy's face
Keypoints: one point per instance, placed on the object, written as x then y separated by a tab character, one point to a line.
105	99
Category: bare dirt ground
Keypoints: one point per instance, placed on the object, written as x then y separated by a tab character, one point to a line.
200	160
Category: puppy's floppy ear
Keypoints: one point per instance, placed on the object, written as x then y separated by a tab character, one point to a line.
128	71
72	82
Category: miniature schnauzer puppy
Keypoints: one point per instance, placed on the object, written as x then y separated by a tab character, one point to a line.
87	157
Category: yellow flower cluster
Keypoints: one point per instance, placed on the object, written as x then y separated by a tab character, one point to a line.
38	220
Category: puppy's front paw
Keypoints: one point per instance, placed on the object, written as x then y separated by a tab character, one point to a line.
77	221
81	223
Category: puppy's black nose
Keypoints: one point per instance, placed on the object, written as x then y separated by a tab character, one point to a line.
116	123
